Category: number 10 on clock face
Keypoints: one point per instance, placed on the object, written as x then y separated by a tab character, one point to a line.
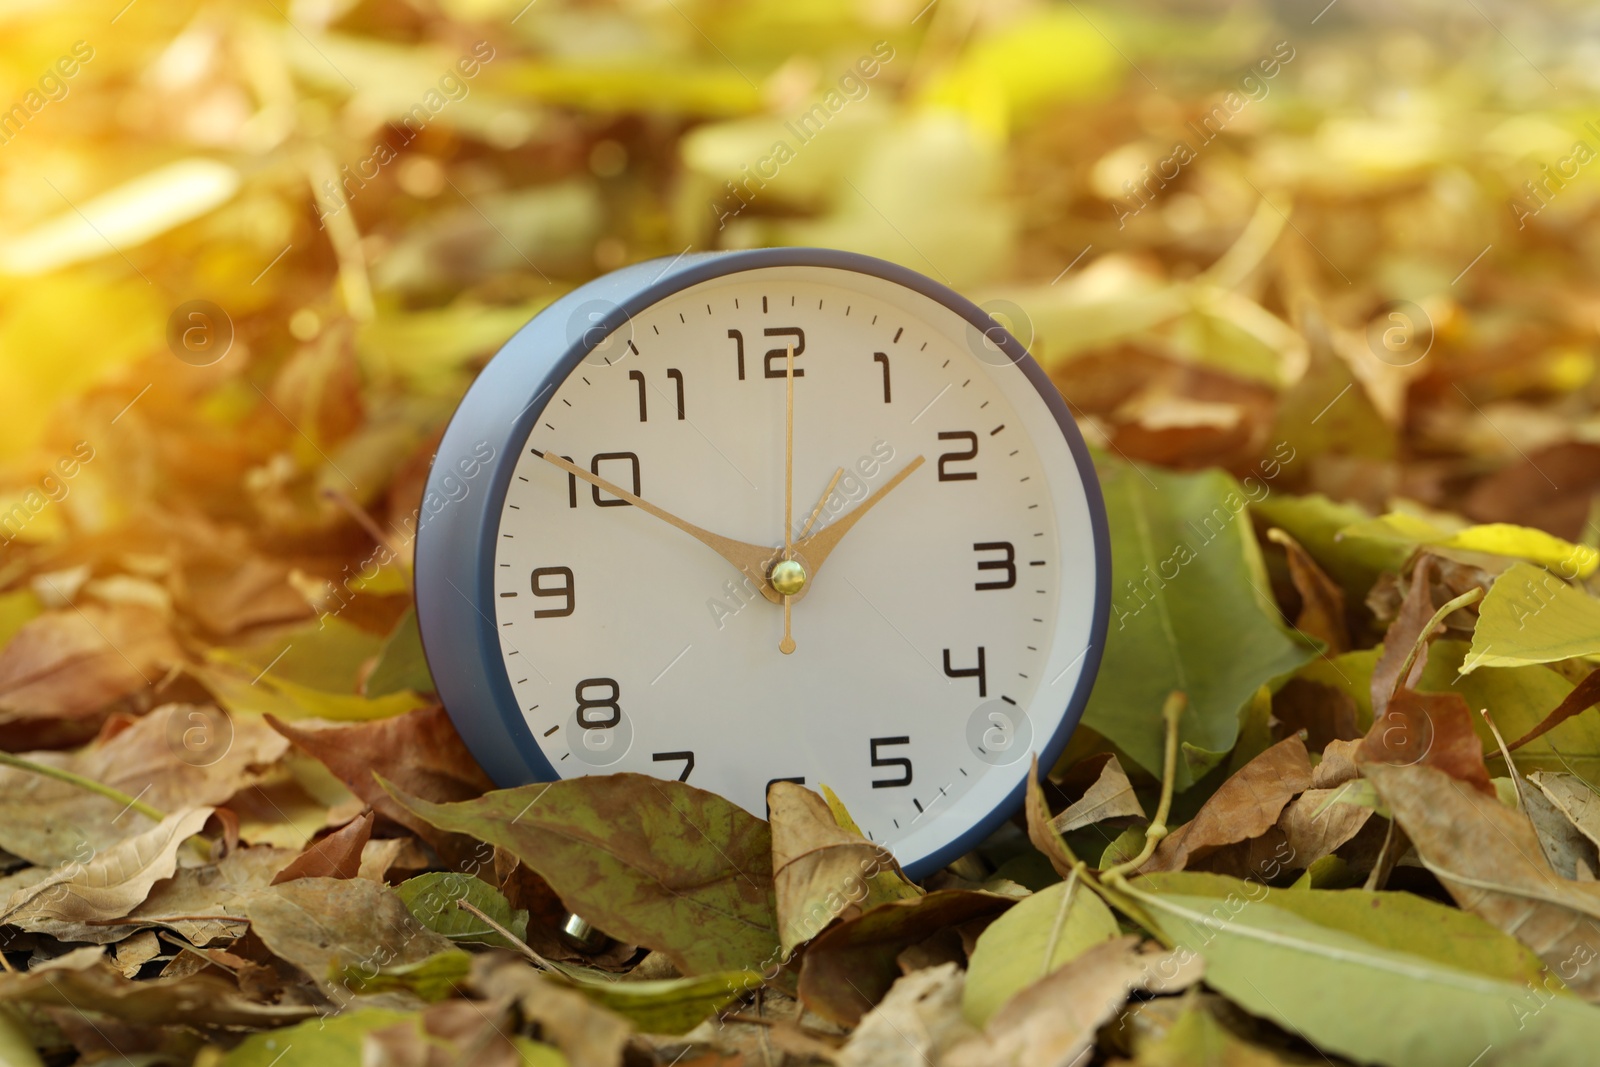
781	515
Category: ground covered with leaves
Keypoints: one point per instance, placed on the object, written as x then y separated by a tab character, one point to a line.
1318	286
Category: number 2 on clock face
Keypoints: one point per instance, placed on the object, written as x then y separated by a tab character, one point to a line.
934	490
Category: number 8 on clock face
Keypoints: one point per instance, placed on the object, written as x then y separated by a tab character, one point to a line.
787	514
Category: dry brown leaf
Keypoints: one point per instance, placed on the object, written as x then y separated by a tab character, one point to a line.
1321	599
158	757
1337	766
1575	798
108	886
820	870
1040	832
84	981
419	751
1488	857
1246	806
315	923
1054	1021
336	856
72	663
914	1025
1109	796
1415	611
446	1034
1315	825
1432	729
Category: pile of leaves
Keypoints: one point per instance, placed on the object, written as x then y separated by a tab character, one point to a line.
1333	799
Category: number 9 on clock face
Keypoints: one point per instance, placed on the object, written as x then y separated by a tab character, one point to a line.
788	514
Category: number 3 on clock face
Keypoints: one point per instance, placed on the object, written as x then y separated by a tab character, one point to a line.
787	514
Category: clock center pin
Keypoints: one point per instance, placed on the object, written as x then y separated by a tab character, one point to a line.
788	577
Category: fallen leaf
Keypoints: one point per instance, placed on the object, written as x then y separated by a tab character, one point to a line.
1314	826
820	870
917	1022
658	863
1321	600
1531	616
1496	539
431	898
72	663
1189	613
1428	729
1109	796
1246	806
850	966
1403	922
1040	832
1575	798
1416	610
336	856
111	884
1488	857
84	981
336	1039
430	980
422	753
176	756
1367	1002
1040	934
1054	1020
660	1005
323	925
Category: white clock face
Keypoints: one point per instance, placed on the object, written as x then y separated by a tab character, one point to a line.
935	646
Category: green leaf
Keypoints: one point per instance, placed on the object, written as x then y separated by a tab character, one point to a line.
1190	611
432	979
431	899
1038	935
1532	616
664	1005
331	1042
656	863
1370	1003
401	665
1402	922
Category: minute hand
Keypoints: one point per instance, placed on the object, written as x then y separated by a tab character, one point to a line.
750	559
816	548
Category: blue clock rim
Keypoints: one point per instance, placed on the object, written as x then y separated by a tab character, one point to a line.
455	544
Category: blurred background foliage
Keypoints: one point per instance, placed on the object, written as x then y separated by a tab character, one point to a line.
1418	151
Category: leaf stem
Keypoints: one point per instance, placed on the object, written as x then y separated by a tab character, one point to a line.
1170	711
1471	596
149	812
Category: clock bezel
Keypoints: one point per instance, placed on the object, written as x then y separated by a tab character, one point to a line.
456	542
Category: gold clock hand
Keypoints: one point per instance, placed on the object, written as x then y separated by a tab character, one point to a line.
823	499
786	646
748	558
816	548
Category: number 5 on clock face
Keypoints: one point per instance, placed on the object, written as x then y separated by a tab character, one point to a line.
789	514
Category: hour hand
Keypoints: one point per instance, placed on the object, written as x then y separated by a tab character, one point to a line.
748	558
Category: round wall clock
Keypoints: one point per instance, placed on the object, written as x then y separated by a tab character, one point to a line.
783	514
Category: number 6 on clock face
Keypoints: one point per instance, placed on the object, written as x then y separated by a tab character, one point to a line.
787	514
